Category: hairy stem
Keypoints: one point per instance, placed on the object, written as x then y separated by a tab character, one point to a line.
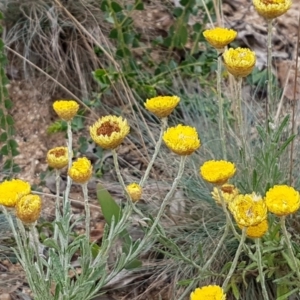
169	194
260	270
289	245
221	103
87	210
269	101
235	260
164	124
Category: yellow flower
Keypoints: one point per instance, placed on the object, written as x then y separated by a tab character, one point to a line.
271	9
11	191
240	61
228	193
109	131
248	210
282	200
135	191
217	171
162	106
182	140
66	109
81	170
219	37
257	231
57	158
28	208
210	292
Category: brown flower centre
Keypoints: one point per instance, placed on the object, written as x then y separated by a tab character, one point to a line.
267	2
58	153
107	128
227	189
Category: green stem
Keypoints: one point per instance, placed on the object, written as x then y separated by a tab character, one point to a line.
238	103
57	202
227	214
221	113
289	245
235	260
164	124
226	231
121	181
260	270
269	100
87	210
169	194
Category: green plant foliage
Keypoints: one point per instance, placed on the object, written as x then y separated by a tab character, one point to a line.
9	148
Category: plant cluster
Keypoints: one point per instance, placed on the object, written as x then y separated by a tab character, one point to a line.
255	207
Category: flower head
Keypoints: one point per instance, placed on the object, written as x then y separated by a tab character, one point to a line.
228	193
135	191
28	208
282	200
248	210
162	106
12	190
81	170
210	292
218	37
217	171
57	158
109	131
257	231
66	109
182	140
271	9
240	61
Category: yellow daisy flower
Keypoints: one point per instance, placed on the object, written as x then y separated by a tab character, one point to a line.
81	170
210	292
135	191
257	231
12	190
282	200
240	61
248	210
28	208
182	140
228	193
66	109
57	158
109	131
218	37
271	9
217	171
162	106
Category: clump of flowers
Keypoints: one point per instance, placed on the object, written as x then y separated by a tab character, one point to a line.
282	200
66	109
219	38
81	170
162	106
210	292
182	140
217	171
228	193
271	9
240	61
257	231
28	208
135	191
57	158
12	190
109	131
248	210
